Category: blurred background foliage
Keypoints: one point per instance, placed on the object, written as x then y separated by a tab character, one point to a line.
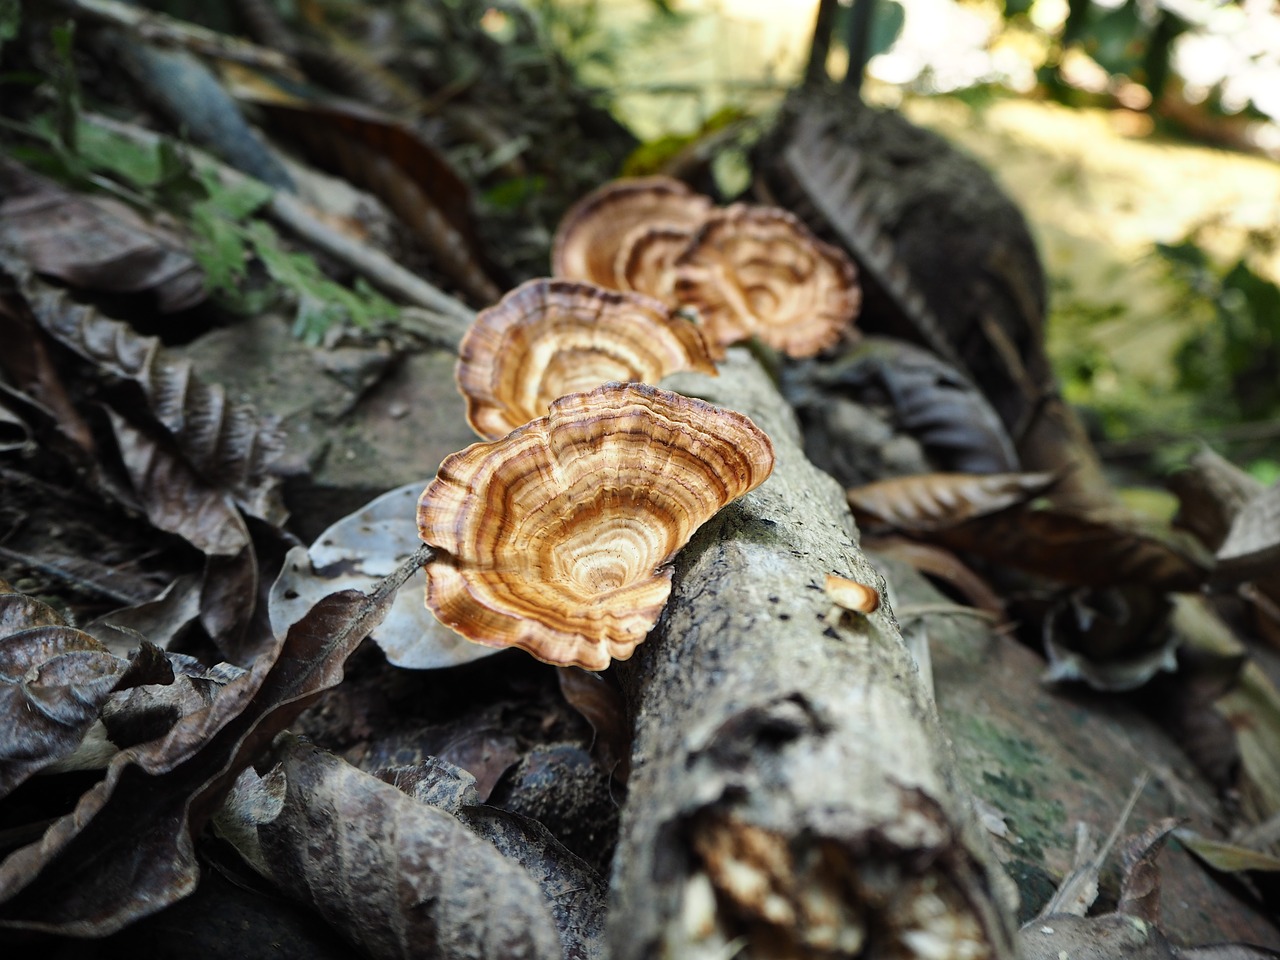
1141	137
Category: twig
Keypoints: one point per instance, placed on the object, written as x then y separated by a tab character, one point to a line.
442	319
917	611
162	29
1253	432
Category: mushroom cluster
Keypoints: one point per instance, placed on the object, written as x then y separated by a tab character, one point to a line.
746	270
556	535
548	338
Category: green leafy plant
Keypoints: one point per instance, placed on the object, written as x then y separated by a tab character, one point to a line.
1232	365
246	264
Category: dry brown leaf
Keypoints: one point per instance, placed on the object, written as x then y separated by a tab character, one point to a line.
1092	551
397	877
1140	883
28	366
937	501
1112	638
601	705
127	850
178	501
160	620
54	680
574	891
1252	546
942	566
1228	857
227	443
1211	491
63	235
930	399
1183	703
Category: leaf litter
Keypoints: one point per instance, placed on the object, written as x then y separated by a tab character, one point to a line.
166	742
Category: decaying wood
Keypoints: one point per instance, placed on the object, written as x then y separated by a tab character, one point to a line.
791	786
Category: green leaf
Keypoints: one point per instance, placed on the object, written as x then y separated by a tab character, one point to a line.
10	20
235	202
1117	39
321	303
66	86
109	152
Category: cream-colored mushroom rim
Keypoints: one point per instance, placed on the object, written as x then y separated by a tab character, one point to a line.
591	233
759	271
558	538
548	338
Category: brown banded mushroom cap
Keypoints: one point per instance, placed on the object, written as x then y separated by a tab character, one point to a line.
590	235
758	271
558	538
548	338
646	259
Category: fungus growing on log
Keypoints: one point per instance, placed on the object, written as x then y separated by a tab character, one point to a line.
590	236
558	538
549	338
760	271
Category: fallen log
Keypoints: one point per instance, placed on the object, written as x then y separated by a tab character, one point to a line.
792	791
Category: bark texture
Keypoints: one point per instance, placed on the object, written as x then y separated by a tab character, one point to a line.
792	792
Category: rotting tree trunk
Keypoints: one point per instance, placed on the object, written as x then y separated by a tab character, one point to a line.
792	786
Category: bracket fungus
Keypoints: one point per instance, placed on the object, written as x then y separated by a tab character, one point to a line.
646	259
591	234
759	271
548	338
558	538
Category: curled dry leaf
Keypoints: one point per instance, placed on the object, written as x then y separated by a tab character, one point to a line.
935	501
179	501
355	553
397	877
54	680
758	271
128	849
930	400
1091	551
1227	857
227	443
601	705
978	513
1140	883
1252	545
60	234
592	234
574	891
550	338
1211	492
1112	638
558	538
827	178
159	620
